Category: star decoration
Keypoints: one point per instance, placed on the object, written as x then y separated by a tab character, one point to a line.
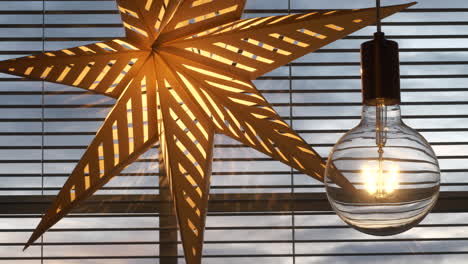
182	74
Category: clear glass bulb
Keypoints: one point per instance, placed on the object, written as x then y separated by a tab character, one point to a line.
394	171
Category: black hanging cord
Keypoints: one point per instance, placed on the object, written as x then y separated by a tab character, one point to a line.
379	23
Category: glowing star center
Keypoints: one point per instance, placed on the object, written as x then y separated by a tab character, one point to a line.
156	45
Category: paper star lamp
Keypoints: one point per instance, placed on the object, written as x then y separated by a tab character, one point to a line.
182	74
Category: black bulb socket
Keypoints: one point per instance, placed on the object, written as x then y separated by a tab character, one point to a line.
380	71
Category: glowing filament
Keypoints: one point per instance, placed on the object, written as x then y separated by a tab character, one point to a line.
379	182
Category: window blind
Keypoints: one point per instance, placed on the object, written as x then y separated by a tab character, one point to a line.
260	209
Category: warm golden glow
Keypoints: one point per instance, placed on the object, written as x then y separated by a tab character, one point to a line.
380	181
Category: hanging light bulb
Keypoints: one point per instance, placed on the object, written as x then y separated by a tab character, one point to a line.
393	168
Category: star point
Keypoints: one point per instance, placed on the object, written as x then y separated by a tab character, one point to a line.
182	74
